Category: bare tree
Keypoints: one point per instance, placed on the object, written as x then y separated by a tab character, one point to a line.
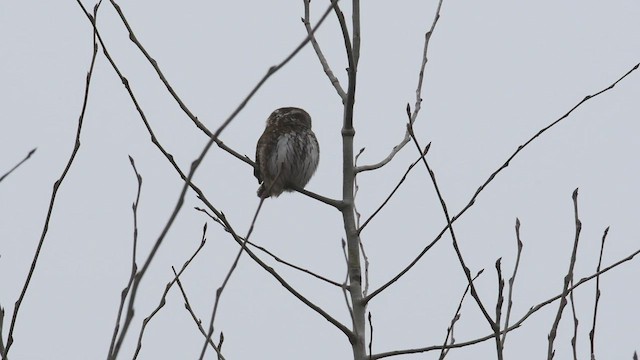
358	329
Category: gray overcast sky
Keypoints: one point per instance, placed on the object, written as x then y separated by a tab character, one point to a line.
498	72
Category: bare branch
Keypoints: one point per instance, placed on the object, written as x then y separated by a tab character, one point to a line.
56	187
592	333
346	282
370	336
404	177
220	345
198	322
335	203
145	322
296	267
270	72
574	339
366	268
356	188
228	276
134	266
492	177
316	47
18	164
345	38
389	157
567	279
512	280
499	302
1	336
454	320
177	98
355	21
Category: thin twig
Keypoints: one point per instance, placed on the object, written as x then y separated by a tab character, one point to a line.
52	200
177	98
355	22
574	339
417	106
134	266
345	286
450	338
356	188
18	164
491	178
592	333
1	336
345	38
511	281
195	318
296	267
229	273
316	47
221	340
370	336
335	203
567	279
365	290
402	179
163	298
499	302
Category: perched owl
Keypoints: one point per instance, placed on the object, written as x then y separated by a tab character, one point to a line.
287	153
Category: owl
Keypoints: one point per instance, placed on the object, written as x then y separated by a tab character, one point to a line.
287	153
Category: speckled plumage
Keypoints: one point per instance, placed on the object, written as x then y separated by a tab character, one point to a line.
287	153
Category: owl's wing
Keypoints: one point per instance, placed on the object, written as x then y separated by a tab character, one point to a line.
256	168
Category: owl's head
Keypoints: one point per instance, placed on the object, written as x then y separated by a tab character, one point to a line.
289	117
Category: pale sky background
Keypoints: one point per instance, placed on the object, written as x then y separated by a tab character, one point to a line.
498	72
